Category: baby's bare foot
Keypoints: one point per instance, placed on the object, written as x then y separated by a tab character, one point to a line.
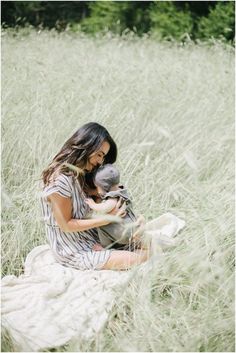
97	247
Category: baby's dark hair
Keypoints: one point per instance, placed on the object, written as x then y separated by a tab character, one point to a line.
107	176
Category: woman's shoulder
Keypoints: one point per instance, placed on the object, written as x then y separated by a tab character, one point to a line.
60	183
65	177
60	178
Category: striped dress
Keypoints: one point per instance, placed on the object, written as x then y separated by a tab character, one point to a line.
72	249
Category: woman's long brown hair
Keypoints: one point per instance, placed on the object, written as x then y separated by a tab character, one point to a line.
78	148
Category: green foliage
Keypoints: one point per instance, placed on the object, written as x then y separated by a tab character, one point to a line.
20	12
45	14
164	19
107	15
220	23
168	21
137	16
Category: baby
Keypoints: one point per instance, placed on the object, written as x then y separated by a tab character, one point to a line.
107	182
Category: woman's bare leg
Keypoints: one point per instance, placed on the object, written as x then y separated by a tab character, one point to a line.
123	260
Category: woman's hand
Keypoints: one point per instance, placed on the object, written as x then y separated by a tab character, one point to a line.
119	210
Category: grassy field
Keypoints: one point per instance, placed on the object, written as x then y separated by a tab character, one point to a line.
170	108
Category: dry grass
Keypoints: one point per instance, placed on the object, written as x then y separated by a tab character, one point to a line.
170	109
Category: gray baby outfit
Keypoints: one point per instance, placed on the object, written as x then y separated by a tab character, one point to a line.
118	234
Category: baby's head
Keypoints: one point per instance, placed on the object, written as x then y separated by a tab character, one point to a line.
106	177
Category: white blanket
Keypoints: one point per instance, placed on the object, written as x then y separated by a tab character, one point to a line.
50	304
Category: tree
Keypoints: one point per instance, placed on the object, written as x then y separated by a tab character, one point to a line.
169	22
220	23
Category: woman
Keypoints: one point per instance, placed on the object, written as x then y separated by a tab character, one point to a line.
73	238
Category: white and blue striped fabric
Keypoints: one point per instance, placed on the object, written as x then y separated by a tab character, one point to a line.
72	249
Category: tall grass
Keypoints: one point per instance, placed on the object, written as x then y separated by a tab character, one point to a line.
170	108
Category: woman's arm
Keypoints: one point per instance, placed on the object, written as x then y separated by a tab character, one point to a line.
62	212
105	206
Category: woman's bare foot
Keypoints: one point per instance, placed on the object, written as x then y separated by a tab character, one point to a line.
140	223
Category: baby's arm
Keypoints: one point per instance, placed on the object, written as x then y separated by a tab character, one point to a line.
104	207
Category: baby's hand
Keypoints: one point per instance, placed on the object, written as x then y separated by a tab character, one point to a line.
90	202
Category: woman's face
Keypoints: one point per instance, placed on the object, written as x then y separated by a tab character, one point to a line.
97	158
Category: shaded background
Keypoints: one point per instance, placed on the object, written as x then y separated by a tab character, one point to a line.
163	19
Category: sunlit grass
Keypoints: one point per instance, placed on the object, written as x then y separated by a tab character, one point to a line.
170	108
